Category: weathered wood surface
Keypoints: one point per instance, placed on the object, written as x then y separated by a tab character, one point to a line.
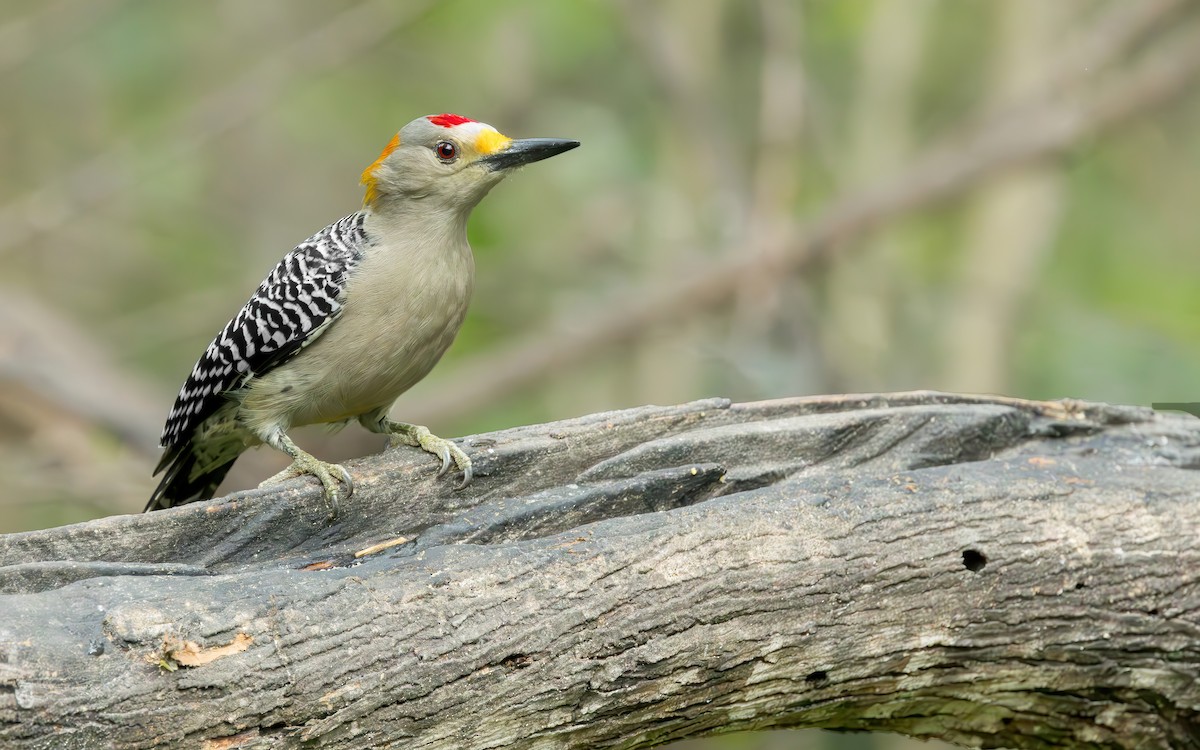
988	571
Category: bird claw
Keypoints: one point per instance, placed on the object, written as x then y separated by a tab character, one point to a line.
468	475
448	452
324	473
444	454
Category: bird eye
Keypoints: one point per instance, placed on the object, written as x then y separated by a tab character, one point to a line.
446	151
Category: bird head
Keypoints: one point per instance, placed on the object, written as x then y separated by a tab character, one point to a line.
451	159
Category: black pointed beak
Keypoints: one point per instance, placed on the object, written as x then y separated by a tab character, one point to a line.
526	151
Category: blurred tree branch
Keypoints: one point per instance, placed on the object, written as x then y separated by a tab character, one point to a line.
776	173
1119	30
106	174
1037	127
1011	223
72	421
50	26
860	320
679	43
44	353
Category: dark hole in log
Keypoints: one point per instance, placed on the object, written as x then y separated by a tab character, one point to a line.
974	560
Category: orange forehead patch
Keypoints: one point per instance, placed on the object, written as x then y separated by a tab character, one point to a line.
490	141
368	175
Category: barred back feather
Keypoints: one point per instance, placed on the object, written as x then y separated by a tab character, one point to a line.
297	301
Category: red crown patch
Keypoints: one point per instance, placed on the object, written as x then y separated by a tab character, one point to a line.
448	120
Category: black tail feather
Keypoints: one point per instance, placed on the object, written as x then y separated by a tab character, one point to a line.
178	486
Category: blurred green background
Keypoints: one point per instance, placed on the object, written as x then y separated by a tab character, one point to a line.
772	199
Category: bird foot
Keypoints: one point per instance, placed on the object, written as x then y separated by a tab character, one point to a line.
402	433
327	474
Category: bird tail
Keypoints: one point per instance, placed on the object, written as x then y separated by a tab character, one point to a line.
180	484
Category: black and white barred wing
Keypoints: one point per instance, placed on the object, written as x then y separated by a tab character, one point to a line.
289	310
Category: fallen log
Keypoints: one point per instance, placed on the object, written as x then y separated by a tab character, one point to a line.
988	571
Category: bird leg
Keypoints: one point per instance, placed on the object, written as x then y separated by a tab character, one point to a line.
305	463
403	433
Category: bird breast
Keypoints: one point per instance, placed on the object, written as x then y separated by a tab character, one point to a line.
402	308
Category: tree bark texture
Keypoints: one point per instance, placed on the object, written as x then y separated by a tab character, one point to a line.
989	571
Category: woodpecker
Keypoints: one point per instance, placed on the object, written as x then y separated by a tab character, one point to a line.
350	319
